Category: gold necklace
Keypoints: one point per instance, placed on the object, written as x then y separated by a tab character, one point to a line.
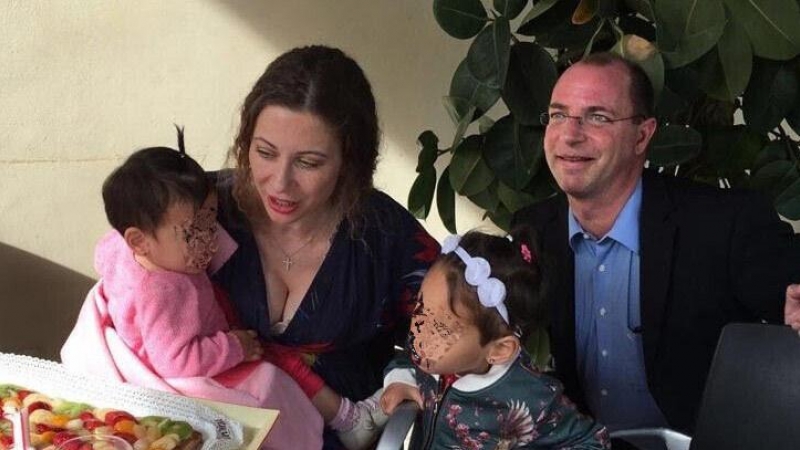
288	260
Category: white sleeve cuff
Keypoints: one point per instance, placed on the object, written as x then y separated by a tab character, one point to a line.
400	375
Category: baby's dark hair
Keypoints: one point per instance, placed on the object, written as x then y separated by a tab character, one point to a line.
511	265
138	193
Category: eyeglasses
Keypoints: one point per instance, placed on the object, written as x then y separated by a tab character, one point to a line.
594	120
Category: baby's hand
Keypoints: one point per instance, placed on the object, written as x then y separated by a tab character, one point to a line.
250	344
396	393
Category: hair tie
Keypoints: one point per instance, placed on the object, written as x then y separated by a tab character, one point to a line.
526	253
491	291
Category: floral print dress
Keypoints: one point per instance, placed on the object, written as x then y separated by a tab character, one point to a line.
512	406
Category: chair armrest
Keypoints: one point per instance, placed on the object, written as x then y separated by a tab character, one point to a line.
654	438
398	425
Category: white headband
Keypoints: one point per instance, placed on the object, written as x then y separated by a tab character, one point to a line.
491	291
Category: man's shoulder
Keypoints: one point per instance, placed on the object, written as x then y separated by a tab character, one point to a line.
684	193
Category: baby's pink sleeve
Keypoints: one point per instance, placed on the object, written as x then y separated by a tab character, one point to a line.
174	339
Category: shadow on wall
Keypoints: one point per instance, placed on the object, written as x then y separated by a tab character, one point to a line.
40	302
405	55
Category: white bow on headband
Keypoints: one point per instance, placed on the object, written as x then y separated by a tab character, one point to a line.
491	291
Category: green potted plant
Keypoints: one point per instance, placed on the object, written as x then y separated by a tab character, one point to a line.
726	75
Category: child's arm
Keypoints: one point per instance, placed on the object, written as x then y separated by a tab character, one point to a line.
396	393
172	320
251	346
291	361
399	384
561	426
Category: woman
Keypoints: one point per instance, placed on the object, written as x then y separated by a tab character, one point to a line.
327	265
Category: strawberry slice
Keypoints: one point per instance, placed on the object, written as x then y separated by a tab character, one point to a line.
42	428
127	436
112	417
61	437
22	393
91	424
86	415
38	405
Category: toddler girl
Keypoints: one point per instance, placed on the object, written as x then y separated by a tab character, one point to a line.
468	372
156	295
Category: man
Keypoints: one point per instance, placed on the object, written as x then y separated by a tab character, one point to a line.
646	269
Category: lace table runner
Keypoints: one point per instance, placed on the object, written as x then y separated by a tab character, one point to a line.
52	379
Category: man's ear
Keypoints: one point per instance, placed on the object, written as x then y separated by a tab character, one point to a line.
503	350
646	131
137	241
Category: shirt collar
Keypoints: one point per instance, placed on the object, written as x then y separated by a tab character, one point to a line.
626	226
475	382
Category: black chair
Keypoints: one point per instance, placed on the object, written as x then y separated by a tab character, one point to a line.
751	398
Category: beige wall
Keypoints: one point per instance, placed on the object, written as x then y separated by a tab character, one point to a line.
82	84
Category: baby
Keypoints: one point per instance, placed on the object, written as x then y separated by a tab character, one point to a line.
161	301
468	371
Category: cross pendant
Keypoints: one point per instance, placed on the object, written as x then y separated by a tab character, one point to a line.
288	262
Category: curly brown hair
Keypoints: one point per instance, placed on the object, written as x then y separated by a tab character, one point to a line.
325	82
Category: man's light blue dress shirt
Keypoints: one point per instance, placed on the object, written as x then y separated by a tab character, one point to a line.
608	322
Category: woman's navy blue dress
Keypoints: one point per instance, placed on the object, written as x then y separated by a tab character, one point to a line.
359	303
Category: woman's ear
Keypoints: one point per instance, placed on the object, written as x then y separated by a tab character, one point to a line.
503	350
137	241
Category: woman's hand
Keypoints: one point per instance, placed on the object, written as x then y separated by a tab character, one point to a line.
396	393
250	344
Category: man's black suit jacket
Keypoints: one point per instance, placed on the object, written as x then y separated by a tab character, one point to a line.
708	257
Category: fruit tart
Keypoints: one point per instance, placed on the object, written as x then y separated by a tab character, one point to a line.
54	421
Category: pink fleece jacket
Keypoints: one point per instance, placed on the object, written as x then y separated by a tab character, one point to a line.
170	320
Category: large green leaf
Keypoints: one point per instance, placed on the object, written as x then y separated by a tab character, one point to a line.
686	29
553	28
730	151
726	69
509	8
461	19
586	11
501	217
513	199
543	185
469	173
773	26
771	94
538	346
465	86
673	145
421	195
684	82
538	9
638	26
772	151
793	118
512	151
643	7
486	199
670	105
456	108
788	202
487	58
776	177
446	201
645	54
531	77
